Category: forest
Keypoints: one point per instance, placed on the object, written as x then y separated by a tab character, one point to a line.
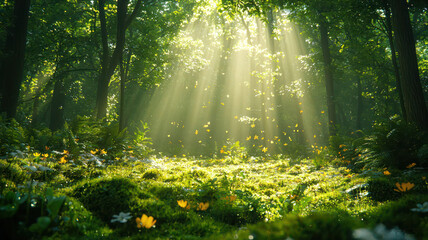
214	119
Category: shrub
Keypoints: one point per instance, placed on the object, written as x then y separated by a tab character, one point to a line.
12	136
393	144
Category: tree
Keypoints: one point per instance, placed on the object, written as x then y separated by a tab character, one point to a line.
328	74
411	87
109	63
12	65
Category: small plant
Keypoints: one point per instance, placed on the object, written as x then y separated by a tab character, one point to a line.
393	144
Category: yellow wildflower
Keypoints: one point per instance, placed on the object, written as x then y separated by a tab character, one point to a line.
183	204
145	221
411	165
404	187
229	198
62	160
386	173
36	154
103	152
203	206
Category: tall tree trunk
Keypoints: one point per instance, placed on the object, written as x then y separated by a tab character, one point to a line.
109	63
328	75
12	66
413	97
388	27
124	69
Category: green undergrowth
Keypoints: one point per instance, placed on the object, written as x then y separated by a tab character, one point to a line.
230	198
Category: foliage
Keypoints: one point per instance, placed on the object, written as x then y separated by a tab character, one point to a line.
392	215
393	144
12	136
38	214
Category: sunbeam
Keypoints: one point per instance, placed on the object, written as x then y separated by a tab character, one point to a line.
237	83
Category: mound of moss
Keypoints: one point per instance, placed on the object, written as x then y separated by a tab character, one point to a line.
106	197
404	214
317	226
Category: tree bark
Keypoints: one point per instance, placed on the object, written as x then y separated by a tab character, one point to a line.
411	86
12	67
328	75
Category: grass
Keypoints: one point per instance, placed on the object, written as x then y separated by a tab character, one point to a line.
257	196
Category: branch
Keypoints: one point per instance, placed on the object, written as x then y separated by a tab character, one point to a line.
134	13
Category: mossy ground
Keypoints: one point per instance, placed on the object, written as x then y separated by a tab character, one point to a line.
258	196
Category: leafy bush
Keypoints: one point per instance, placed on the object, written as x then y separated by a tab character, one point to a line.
12	136
393	144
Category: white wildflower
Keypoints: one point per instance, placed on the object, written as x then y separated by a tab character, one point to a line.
122	217
421	207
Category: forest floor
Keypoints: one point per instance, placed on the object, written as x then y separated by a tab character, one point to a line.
58	195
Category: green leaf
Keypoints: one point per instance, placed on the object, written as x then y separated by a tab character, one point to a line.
54	205
41	224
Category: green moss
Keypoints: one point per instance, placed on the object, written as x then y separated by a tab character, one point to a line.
12	172
153	174
381	189
106	197
316	226
399	214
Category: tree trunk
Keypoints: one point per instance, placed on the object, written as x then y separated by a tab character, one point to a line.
388	27
109	64
413	97
57	105
359	104
328	75
124	69
12	66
